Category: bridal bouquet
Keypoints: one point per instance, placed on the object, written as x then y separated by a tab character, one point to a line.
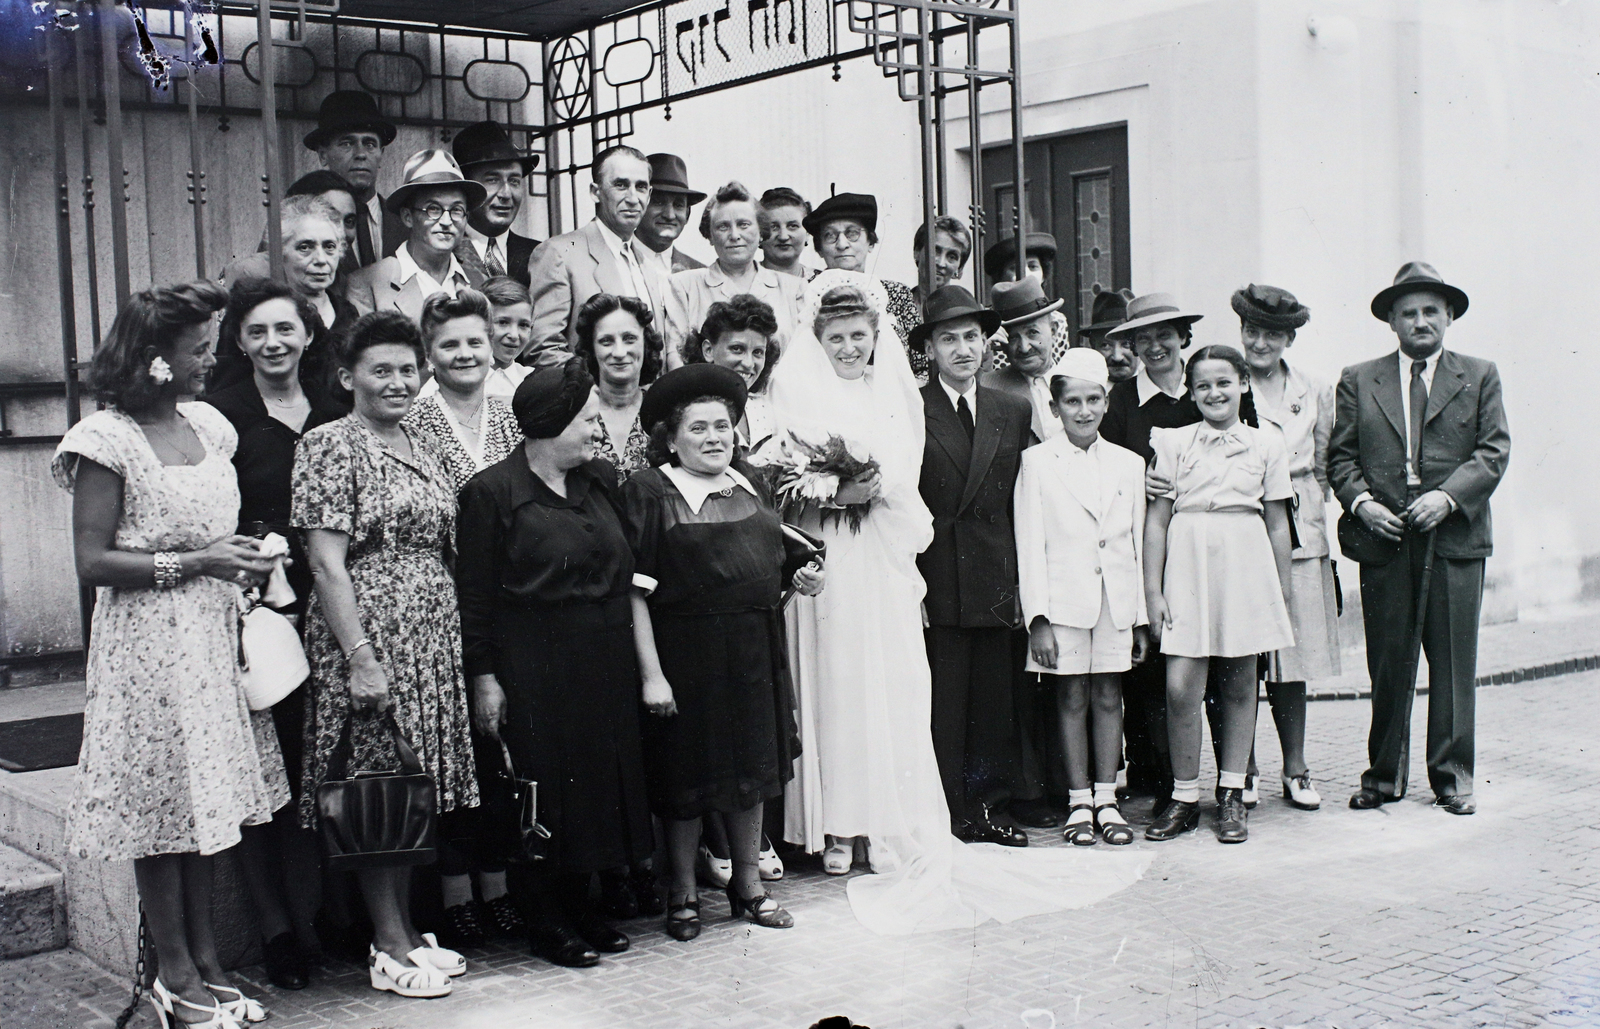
805	475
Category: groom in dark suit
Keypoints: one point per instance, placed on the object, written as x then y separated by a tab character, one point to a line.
975	439
1419	443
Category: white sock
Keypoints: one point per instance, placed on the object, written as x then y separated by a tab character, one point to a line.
493	885
456	889
1077	797
1230	780
1186	790
1105	793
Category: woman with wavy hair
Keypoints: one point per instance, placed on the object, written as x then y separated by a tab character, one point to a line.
173	762
618	343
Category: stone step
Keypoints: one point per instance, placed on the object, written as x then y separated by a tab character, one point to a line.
33	905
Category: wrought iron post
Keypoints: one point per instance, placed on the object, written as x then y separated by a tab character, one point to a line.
925	111
267	58
197	178
90	245
106	22
975	143
1019	214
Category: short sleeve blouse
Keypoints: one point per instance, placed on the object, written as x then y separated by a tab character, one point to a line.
1228	470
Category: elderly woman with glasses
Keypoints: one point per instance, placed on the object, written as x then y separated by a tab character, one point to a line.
730	222
844	228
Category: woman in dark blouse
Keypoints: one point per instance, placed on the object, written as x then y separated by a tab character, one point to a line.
543	576
271	326
710	558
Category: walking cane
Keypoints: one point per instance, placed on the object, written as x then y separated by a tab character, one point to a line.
1414	657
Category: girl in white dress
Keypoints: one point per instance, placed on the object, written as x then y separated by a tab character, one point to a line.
1216	574
867	768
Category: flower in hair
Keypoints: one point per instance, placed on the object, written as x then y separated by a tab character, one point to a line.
160	371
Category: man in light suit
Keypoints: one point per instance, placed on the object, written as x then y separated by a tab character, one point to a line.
602	257
974	444
489	245
433	203
1419	443
664	220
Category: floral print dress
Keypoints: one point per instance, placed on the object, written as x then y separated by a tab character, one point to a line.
634	455
173	762
400	516
498	435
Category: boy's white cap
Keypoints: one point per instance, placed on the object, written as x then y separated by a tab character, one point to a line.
1083	363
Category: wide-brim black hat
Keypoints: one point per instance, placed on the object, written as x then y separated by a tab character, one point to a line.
668	174
345	110
487	142
859	207
948	303
688	383
1003	252
1269	308
1109	311
1418	277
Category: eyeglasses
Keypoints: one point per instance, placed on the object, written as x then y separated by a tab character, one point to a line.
349	143
433	212
853	233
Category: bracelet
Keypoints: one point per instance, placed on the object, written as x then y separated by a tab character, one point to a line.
168	570
363	642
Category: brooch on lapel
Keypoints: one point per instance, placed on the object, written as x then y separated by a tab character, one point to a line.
1294	408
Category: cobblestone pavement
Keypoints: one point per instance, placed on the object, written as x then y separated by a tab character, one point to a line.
1404	917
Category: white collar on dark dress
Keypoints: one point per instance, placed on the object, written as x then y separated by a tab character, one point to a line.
696	488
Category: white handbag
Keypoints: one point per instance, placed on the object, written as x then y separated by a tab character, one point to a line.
272	663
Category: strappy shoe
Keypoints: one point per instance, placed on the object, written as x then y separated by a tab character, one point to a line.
445	960
504	918
462	926
768	863
1118	833
760	909
242	1008
836	860
683	927
419	979
1080	827
165	1002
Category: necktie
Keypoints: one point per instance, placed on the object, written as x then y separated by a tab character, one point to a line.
492	262
635	273
364	237
964	413
1419	407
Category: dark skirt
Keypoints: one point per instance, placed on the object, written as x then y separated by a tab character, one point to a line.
732	743
571	681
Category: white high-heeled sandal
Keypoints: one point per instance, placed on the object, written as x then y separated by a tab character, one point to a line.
242	1008
768	863
445	960
715	871
839	856
163	1000
418	980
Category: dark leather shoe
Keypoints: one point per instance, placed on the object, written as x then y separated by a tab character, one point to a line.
1368	799
560	945
1233	820
646	891
617	899
1177	818
1457	804
462	927
1037	814
286	964
602	936
986	831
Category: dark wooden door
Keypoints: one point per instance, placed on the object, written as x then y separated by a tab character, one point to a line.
1077	190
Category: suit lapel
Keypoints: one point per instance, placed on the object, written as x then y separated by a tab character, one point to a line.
606	273
1108	486
1386	392
944	428
1061	452
1448	380
985	441
471	263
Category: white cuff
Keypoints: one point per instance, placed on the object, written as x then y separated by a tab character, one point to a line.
645	583
1361	498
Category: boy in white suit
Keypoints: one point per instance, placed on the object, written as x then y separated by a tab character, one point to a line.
1080	519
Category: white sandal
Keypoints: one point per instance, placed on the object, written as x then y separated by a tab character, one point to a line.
163	999
713	870
839	856
768	863
242	1008
419	980
442	958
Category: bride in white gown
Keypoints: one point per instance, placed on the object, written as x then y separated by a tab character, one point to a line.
867	768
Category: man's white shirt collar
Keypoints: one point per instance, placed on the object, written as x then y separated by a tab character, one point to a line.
1147	387
409	267
480	243
696	488
971	394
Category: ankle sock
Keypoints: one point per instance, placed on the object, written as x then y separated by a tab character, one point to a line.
1105	793
1077	797
1230	780
455	889
1186	790
493	885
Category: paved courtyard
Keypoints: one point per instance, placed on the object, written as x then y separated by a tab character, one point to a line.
1405	917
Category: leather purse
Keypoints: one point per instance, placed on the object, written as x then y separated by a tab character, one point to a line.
800	548
377	819
272	662
1363	546
511	804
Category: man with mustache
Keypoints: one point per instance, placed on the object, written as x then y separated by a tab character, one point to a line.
601	257
1419	443
1110	310
1031	322
664	220
490	244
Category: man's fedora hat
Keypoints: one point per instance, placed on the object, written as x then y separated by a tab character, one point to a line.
947	303
1110	309
691	382
430	168
860	207
1020	301
1269	307
1153	309
1004	252
1418	277
668	174
487	143
348	110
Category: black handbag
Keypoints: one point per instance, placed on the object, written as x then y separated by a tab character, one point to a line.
377	819
1363	546
511	808
800	548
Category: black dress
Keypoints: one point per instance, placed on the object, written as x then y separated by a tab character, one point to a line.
718	577
543	583
319	374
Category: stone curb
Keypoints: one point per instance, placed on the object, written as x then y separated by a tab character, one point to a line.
1529	674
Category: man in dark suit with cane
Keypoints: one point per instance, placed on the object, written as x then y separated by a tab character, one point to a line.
1419	444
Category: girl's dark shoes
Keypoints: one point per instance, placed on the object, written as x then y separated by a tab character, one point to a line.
1114	829
286	964
462	926
502	919
683	919
760	909
1177	818
647	891
1232	818
560	945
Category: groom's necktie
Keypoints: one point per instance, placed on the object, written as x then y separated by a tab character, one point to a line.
964	413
